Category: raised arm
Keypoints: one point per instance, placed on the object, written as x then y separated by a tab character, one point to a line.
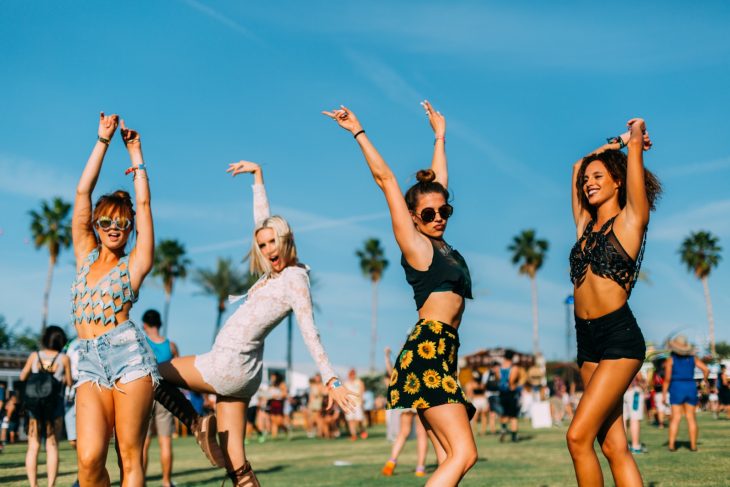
142	256
300	300
82	229
260	202
413	245
637	203
438	125
581	217
388	362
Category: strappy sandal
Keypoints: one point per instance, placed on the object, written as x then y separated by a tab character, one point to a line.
205	429
243	477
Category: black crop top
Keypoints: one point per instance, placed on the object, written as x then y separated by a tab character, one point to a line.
606	257
448	272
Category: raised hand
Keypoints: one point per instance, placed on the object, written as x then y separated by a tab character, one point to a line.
242	167
107	125
637	127
437	121
345	119
130	137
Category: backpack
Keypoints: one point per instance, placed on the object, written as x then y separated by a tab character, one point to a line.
41	390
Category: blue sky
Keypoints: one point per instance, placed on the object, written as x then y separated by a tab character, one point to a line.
526	90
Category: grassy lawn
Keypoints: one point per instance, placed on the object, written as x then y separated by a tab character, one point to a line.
541	459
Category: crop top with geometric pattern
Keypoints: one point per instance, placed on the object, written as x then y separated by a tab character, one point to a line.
100	304
606	257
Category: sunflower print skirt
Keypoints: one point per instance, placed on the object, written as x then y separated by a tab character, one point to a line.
425	374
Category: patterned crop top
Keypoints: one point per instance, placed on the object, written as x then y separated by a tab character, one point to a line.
100	304
448	272
606	257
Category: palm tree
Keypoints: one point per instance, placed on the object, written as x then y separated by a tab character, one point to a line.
529	253
373	264
51	228
700	252
170	264
225	281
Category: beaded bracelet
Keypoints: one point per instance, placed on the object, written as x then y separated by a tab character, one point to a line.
360	132
134	169
103	140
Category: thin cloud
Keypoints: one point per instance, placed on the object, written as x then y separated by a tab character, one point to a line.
400	91
696	168
220	18
712	217
320	222
30	178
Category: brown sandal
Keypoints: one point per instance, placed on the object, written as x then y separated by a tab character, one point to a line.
205	429
243	477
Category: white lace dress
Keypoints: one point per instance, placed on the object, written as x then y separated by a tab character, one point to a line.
234	365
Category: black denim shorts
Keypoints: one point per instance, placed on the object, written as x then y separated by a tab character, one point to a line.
609	337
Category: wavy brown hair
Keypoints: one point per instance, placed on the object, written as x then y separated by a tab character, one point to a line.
615	162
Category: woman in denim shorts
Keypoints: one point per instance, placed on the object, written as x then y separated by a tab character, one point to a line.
612	195
117	370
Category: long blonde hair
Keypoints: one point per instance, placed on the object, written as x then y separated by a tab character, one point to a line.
284	239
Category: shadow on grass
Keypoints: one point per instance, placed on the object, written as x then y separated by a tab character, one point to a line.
23	476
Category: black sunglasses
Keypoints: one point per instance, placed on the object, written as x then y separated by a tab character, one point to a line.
429	214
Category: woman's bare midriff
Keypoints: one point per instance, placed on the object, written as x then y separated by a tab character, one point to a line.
92	329
597	296
445	306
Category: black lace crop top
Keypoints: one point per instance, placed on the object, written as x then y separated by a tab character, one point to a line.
448	272
606	257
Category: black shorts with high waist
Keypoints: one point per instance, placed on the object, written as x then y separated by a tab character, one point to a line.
612	336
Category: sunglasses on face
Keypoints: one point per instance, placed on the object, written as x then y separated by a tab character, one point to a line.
429	214
107	222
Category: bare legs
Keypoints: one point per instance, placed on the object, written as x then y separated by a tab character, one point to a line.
406	422
34	445
677	411
449	425
165	443
599	415
127	411
231	414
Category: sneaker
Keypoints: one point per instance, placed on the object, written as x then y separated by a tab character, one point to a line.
420	472
388	468
364	435
635	451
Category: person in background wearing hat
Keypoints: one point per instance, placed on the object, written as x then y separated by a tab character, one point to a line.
679	380
162	419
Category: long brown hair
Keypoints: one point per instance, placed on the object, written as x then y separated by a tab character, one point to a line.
615	162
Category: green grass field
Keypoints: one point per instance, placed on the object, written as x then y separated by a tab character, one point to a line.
540	459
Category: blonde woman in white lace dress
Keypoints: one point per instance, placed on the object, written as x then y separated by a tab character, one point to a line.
232	369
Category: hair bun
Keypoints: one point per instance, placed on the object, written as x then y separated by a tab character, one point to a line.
426	176
121	194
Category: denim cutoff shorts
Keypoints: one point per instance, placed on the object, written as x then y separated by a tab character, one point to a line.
121	354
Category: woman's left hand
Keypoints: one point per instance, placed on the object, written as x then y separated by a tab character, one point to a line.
130	137
242	167
342	395
638	126
437	121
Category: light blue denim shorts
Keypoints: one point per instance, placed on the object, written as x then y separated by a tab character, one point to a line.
121	354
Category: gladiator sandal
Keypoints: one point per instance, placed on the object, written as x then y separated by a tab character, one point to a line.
205	429
243	477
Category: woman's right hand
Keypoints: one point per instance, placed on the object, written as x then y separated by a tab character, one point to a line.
638	126
437	121
108	125
345	119
242	167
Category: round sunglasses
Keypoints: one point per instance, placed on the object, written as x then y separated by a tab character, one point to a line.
429	214
107	222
